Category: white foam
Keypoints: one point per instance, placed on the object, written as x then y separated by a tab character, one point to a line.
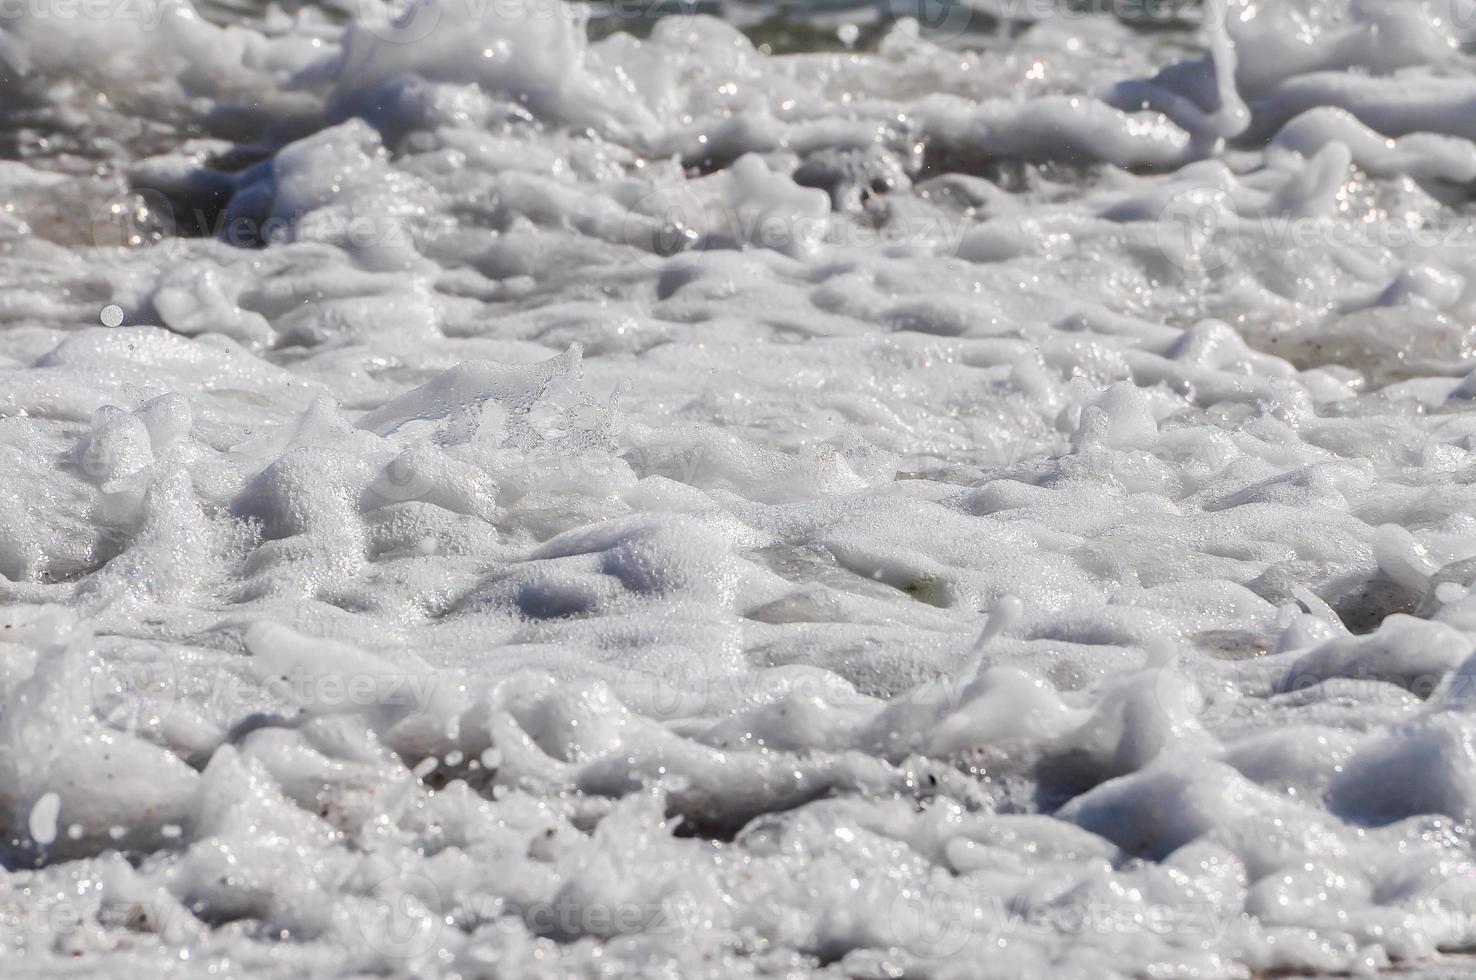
654	506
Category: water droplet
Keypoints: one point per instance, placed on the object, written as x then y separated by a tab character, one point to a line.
43	819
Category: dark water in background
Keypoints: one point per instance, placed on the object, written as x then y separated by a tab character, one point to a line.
811	25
